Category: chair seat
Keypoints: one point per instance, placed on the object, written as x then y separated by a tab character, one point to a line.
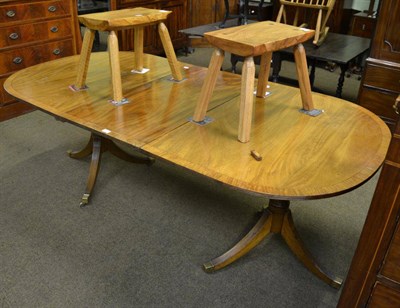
258	38
123	19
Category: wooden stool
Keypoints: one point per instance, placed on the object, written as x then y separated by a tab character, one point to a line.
248	41
137	19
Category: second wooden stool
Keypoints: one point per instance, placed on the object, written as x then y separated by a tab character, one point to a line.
248	41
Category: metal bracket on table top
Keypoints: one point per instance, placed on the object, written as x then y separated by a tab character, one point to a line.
142	71
75	89
119	103
313	113
202	123
266	93
170	78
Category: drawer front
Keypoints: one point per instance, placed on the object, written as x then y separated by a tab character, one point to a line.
363	26
24	57
393	156
5	98
27	12
133	2
391	266
383	296
379	102
14	109
35	32
382	77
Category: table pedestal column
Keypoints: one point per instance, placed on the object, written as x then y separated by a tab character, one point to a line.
95	147
277	218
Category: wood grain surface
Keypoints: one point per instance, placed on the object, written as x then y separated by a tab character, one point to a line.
156	104
302	156
257	38
123	19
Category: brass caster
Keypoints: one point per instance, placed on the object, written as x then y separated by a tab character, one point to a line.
85	200
336	283
208	267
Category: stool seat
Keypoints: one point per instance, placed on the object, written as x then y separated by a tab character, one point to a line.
248	41
257	38
123	19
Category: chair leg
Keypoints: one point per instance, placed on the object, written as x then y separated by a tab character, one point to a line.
84	59
302	75
113	52
169	51
246	100
138	48
318	27
209	84
281	14
263	75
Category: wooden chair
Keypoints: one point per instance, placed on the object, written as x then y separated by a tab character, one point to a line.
243	12
137	19
324	8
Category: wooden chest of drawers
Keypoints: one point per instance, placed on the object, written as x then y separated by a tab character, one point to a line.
32	32
380	88
374	276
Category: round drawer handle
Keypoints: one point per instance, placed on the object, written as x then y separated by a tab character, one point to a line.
10	13
52	8
396	103
252	11
54	29
56	51
14	36
17	60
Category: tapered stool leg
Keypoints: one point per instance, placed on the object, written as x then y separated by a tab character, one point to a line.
263	75
113	52
84	60
246	100
138	48
209	84
302	75
169	51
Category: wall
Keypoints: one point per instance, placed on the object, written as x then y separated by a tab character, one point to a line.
359	5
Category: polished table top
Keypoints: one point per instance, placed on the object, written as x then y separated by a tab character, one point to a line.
302	157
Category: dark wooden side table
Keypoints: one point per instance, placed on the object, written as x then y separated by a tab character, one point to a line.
340	49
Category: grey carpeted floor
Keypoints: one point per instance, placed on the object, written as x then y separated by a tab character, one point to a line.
142	240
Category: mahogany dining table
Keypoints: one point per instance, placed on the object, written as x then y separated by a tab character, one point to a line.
298	157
